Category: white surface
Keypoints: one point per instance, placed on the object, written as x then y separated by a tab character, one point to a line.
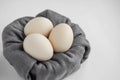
61	34
100	19
41	25
38	46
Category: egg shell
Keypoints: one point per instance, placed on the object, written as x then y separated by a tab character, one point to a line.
38	46
61	37
40	25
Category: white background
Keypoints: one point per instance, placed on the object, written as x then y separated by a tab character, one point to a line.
100	20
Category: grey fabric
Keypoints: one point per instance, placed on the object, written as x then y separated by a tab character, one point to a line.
60	66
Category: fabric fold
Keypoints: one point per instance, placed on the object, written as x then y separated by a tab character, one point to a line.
60	66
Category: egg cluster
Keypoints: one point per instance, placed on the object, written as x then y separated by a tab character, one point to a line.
42	39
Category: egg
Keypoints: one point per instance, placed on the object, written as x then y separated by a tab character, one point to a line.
61	37
38	46
40	25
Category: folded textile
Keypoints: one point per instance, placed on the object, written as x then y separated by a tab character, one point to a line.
57	68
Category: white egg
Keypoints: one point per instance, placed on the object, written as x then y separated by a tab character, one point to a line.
40	25
61	37
38	46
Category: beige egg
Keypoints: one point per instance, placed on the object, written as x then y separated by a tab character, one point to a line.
38	46
61	37
40	25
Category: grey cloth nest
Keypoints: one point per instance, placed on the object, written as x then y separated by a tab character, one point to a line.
60	66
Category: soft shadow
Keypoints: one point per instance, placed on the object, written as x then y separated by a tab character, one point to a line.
7	72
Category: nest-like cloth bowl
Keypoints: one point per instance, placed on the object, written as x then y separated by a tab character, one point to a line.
57	68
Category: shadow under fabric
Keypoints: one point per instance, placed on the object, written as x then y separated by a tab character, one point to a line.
60	66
